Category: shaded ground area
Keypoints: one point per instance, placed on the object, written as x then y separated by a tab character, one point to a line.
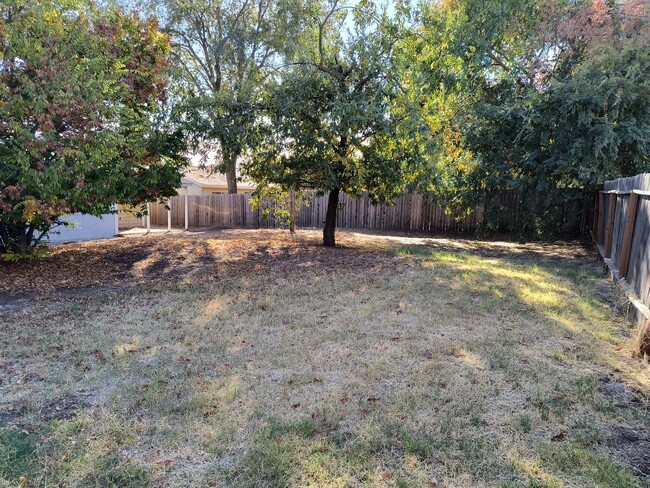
250	358
137	259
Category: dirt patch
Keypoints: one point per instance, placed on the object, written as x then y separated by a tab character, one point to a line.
60	408
622	395
632	447
11	414
63	408
12	302
7	299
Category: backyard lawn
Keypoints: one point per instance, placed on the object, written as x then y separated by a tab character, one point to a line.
249	358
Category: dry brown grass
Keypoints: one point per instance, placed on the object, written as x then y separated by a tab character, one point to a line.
248	358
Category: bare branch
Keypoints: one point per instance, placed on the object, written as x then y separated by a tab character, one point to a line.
321	28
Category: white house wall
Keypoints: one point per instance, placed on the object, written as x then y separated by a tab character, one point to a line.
87	228
191	189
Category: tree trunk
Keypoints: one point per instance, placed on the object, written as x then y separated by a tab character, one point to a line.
292	212
17	238
28	240
4	238
230	160
330	218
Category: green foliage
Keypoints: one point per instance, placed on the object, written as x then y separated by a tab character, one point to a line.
336	119
550	98
593	125
33	253
465	100
281	205
80	97
223	52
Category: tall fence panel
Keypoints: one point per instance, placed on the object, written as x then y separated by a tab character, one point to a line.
409	212
221	210
621	227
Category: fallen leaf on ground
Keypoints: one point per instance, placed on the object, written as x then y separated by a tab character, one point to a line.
558	437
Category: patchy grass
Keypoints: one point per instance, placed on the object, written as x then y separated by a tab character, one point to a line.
248	358
17	450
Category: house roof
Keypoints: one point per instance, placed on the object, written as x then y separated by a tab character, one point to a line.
204	177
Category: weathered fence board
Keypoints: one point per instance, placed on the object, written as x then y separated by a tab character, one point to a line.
621	222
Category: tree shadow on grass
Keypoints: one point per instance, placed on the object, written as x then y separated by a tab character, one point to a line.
133	260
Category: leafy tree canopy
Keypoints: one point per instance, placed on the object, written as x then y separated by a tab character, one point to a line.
548	95
224	51
80	124
336	119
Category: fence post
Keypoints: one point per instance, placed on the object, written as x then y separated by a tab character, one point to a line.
243	210
630	223
601	217
187	211
611	215
169	215
116	221
594	218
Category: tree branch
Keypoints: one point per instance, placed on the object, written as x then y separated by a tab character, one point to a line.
321	28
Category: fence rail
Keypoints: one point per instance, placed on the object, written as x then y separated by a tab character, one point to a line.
410	212
621	227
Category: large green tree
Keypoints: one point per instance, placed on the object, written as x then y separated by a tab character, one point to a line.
80	93
336	120
551	97
224	50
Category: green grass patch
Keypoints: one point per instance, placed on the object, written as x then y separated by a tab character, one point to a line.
17	454
66	450
575	460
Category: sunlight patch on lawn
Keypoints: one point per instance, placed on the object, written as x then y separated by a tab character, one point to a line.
127	348
207	312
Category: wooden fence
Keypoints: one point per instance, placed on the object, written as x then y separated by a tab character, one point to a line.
621	228
410	212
